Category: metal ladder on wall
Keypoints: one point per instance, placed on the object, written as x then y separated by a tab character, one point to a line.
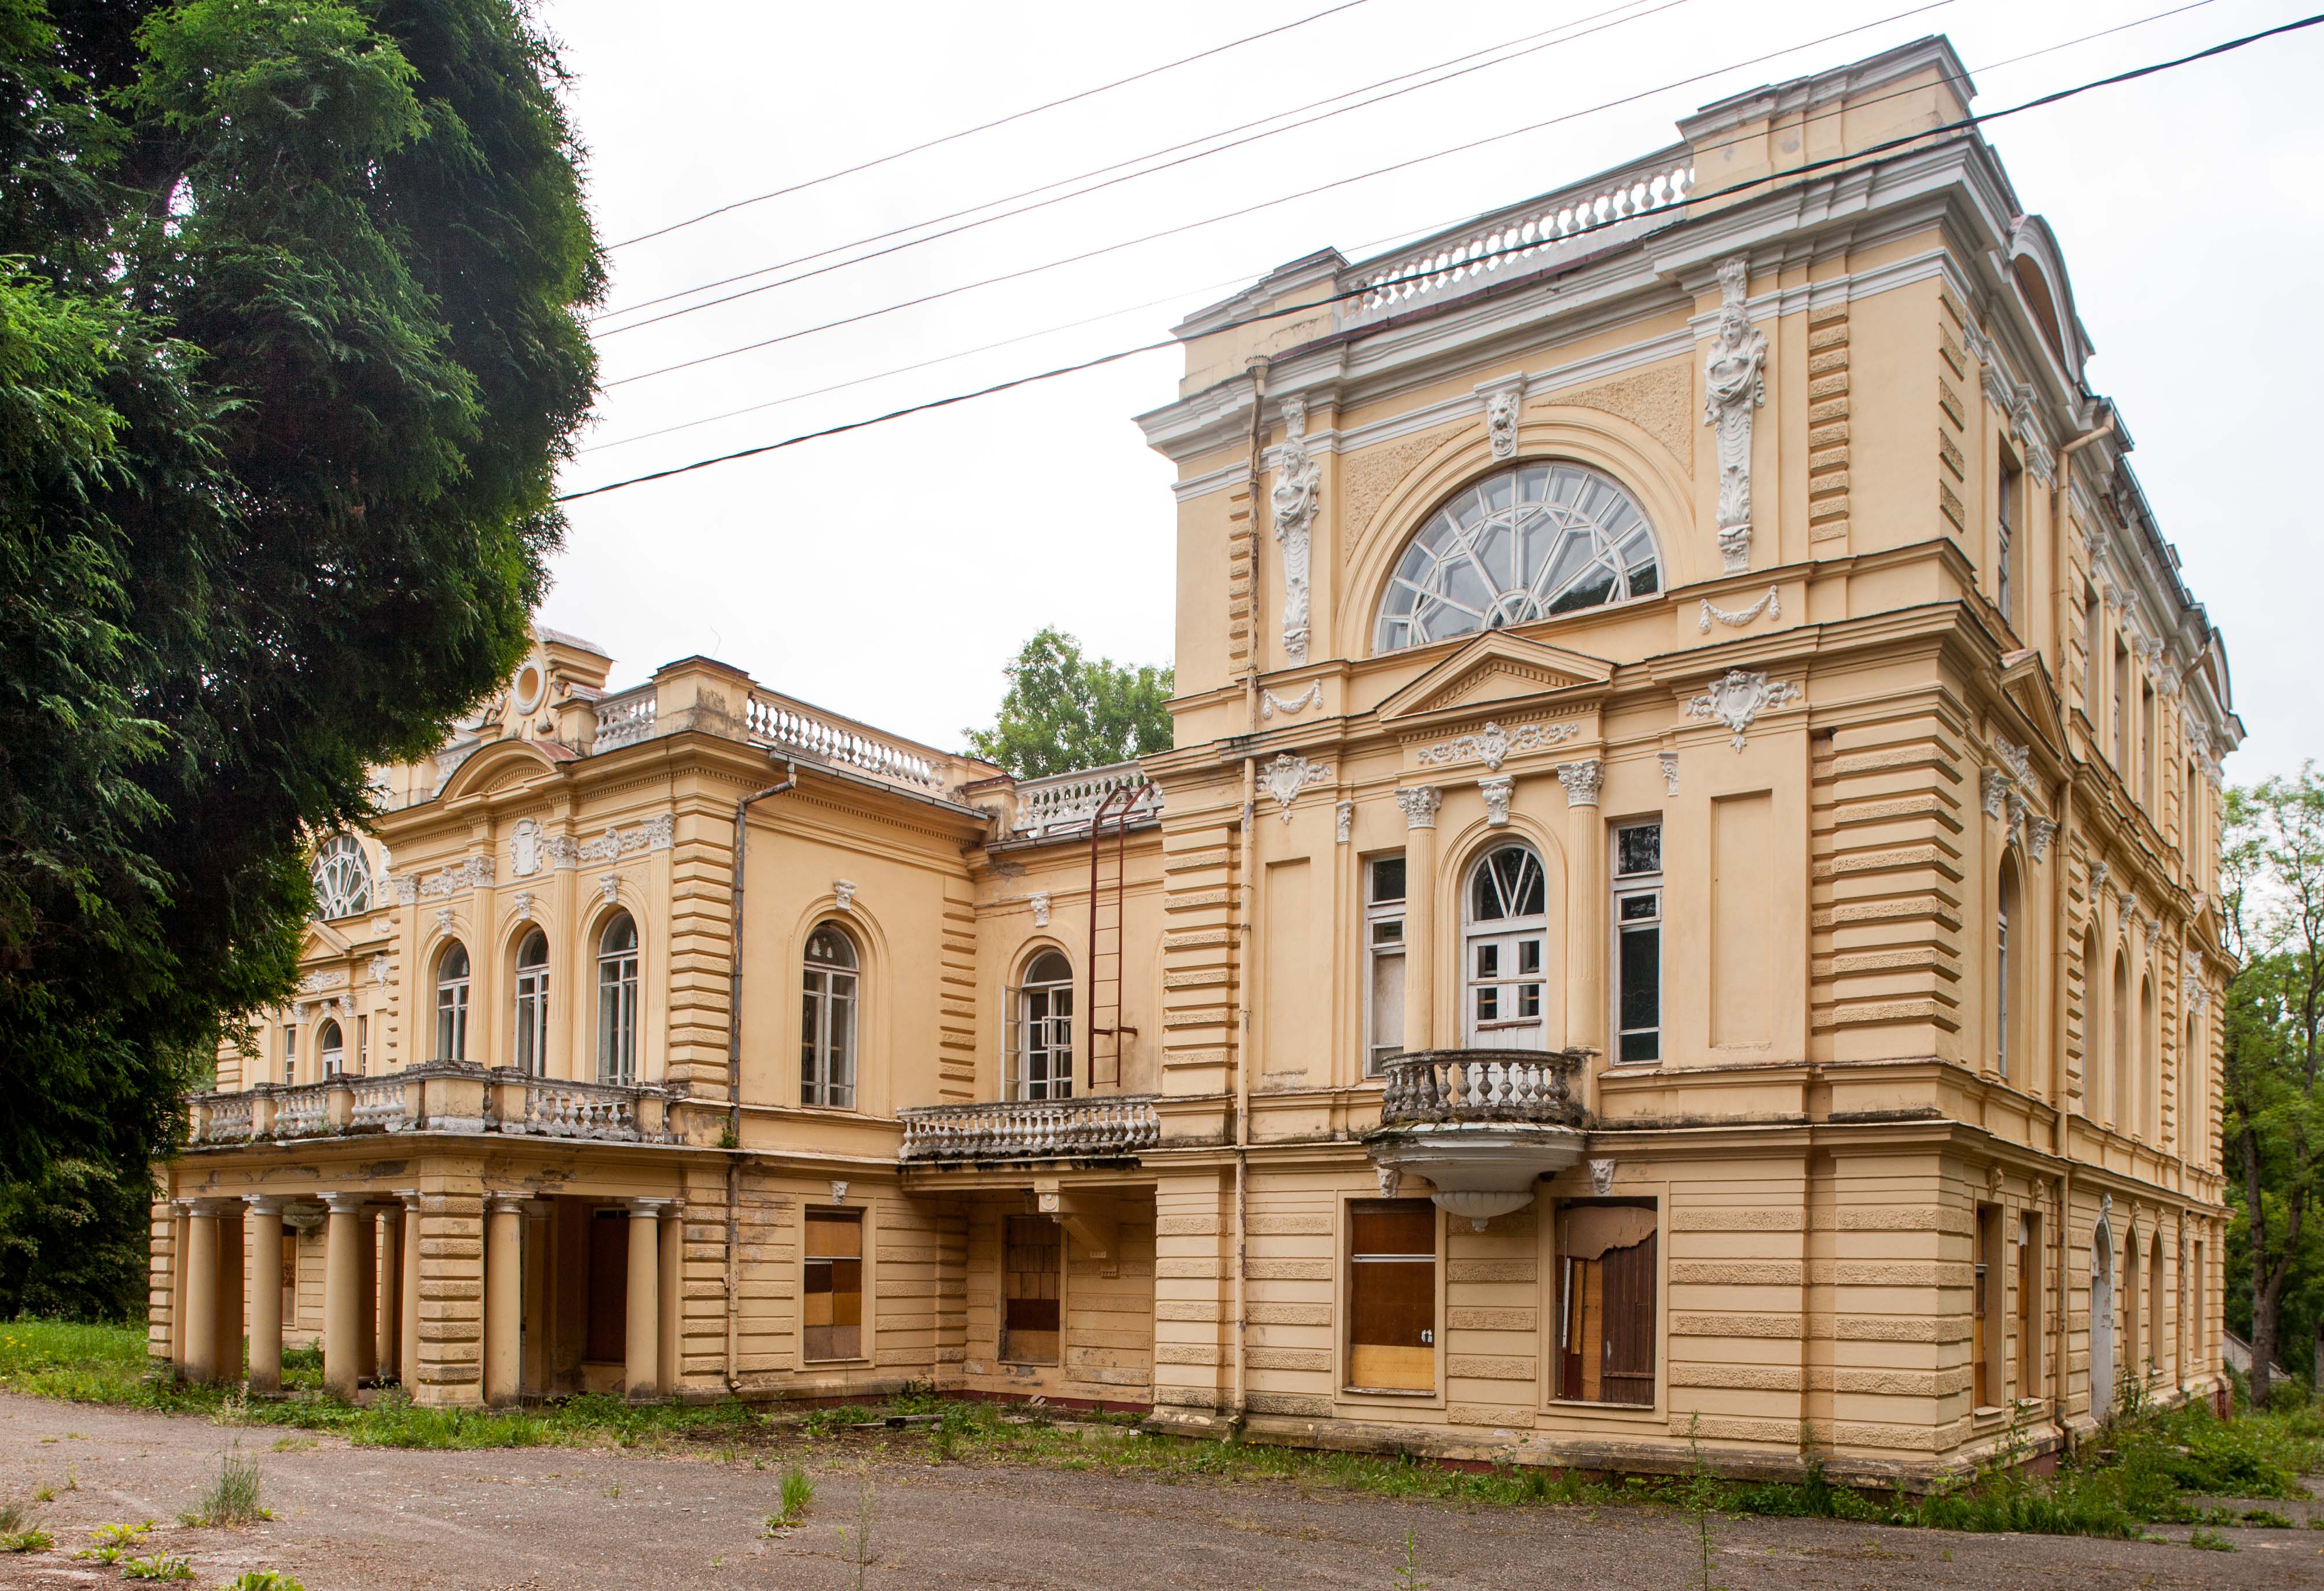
1106	1029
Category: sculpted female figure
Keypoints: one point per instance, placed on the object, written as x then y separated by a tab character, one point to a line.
1734	384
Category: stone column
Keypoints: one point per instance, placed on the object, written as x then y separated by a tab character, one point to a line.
1420	804
504	1297
672	1294
202	1291
1585	906
643	1356
388	1360
343	1266
265	1224
407	1351
367	1293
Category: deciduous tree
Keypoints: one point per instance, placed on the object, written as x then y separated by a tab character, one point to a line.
1063	711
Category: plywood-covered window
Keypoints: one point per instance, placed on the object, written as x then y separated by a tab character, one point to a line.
1608	1274
831	1302
1392	1295
1032	1289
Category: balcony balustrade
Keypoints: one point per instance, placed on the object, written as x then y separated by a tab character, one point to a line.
1101	1127
439	1097
1483	1086
1484	1127
1065	804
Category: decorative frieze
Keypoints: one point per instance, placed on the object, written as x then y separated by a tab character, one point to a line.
1734	384
1770	605
1492	745
1496	791
380	968
1582	781
475	872
654	833
1286	775
1739	696
1269	704
322	979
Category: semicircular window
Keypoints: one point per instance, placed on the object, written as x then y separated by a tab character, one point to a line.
1525	544
342	878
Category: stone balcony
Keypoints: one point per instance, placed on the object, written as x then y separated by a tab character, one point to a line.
1103	1126
1481	1126
439	1097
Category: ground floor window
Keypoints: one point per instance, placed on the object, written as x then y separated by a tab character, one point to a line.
1608	1270
1032	1275
2029	1306
1985	1306
1392	1295
831	1317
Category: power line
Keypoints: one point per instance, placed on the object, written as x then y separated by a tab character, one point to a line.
1264	204
1308	308
1157	154
988	127
1409	232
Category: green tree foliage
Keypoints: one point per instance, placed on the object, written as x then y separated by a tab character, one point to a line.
289	354
1063	711
2274	1099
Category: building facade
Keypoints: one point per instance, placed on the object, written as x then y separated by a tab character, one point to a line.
1682	907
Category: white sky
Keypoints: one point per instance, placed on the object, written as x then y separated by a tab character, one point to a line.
889	573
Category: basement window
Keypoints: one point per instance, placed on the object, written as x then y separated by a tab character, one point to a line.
1392	1295
831	1315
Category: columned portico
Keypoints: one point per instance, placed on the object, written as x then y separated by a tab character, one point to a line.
344	1257
266	1223
503	1297
642	1355
201	1291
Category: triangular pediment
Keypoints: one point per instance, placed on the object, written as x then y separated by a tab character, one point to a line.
2025	682
323	940
1498	667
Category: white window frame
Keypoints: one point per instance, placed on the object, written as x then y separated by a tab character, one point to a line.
331	1058
342	878
1041	1013
452	1004
617	1004
1628	888
831	1017
1384	953
1498	934
532	1056
289	1055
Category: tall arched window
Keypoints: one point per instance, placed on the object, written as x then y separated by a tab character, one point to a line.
1504	949
2093	1066
1041	1059
452	1004
330	1049
2196	1115
2148	1109
342	878
532	1004
2160	1322
2118	1047
1522	545
2006	1000
617	1001
827	1021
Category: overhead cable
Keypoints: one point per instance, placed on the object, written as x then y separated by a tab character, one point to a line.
988	127
1309	307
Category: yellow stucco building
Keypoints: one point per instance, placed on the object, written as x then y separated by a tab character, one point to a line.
1682	902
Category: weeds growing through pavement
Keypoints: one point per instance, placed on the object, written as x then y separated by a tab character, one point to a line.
231	1499
261	1580
1407	1573
112	1542
158	1566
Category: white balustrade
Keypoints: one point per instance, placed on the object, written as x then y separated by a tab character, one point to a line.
1101	1128
381	1102
625	717
786	724
1505	241
1061	803
562	1107
304	1111
226	1119
1483	1085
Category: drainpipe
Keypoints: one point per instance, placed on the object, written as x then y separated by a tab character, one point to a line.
734	1078
2063	484
1238	1410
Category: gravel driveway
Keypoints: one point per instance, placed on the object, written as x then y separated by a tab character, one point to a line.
565	1519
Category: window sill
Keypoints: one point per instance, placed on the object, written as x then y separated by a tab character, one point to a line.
860	1362
1387	1391
1591	1406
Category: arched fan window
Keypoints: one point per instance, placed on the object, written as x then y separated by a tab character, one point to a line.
342	878
1525	544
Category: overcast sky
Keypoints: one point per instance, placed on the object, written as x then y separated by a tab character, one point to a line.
889	573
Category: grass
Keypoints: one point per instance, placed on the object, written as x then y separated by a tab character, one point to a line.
231	1499
2153	1467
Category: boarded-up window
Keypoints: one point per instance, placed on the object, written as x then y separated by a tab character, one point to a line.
1606	1325
1032	1261
609	1286
1392	1295
290	1277
831	1318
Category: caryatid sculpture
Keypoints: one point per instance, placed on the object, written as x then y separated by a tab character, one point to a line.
1734	382
1298	484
